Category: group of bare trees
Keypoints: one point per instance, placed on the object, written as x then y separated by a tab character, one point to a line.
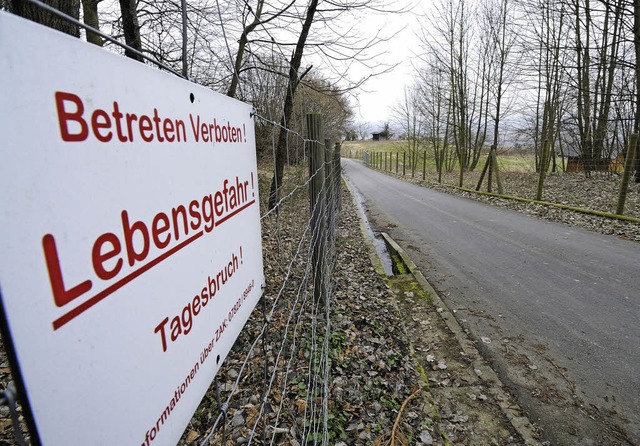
259	51
561	73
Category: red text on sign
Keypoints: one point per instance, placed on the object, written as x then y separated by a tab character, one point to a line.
141	244
75	126
182	323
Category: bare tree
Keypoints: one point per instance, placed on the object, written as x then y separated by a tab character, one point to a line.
448	40
260	18
636	43
408	114
37	14
435	107
338	47
595	70
131	28
317	95
90	17
497	20
294	80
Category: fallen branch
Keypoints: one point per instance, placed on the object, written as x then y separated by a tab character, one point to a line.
395	425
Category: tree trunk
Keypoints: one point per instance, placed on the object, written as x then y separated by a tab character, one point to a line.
636	42
608	67
242	44
131	28
35	13
90	15
294	80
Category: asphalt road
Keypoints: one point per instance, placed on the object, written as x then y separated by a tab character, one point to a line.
556	309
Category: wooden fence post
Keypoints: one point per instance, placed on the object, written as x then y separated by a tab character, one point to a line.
328	175
485	168
404	163
317	196
424	165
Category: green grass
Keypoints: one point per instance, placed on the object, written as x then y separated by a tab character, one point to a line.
509	161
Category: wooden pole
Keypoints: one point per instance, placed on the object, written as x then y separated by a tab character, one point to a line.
424	165
330	203
404	163
413	161
317	196
185	72
328	183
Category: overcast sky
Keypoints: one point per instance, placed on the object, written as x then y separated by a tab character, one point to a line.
378	96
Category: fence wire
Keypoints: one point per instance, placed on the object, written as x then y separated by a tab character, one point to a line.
294	329
274	385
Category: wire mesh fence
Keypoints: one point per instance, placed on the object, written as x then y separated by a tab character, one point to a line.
274	386
514	170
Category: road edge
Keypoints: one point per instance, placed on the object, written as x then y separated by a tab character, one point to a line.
511	410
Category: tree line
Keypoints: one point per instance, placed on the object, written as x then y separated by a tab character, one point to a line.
559	73
562	73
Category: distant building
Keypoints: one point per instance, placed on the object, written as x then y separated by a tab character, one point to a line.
380	136
576	164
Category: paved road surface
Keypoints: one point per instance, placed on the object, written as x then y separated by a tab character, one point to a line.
558	307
